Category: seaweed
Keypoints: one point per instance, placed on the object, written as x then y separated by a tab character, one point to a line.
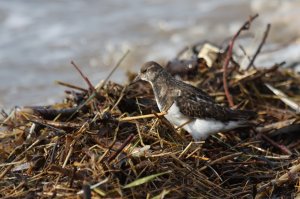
110	141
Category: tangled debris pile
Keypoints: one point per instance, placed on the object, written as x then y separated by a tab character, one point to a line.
110	141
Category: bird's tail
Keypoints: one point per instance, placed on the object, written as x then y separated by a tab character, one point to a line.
243	114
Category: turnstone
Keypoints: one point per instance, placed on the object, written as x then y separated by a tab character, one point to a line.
189	107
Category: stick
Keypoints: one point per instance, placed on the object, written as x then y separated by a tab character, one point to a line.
260	46
126	142
246	26
86	79
71	86
227	157
282	179
113	70
98	88
126	119
283	148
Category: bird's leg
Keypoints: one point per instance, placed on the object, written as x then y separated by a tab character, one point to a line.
199	151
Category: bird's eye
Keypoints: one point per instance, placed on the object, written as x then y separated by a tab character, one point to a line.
147	66
145	69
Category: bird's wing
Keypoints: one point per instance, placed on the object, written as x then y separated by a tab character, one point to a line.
200	108
195	93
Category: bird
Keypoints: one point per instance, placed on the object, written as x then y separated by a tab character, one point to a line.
189	107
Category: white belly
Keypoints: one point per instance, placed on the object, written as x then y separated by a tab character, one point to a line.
200	129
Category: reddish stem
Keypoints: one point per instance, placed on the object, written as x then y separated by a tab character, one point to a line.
245	26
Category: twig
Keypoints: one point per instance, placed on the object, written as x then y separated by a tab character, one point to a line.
126	142
54	151
260	46
7	169
72	177
281	45
112	71
87	193
184	123
283	148
71	86
56	125
185	150
120	98
101	159
94	94
126	119
86	79
69	153
263	72
284	98
246	26
275	125
95	185
47	113
282	179
244	52
3	113
140	135
227	157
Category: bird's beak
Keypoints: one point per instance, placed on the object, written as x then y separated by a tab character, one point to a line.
136	79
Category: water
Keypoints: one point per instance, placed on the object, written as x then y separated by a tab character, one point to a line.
39	38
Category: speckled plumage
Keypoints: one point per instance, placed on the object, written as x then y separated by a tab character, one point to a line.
188	104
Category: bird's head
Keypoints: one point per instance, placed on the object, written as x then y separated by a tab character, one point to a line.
149	72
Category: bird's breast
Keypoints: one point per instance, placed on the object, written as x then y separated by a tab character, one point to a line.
175	116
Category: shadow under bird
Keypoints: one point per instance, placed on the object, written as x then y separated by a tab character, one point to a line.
189	107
